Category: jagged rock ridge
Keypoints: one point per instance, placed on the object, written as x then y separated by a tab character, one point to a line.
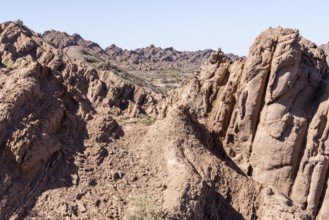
63	40
145	59
269	112
242	139
325	48
155	58
50	109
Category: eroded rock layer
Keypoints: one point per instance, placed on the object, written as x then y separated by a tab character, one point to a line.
48	107
241	139
269	113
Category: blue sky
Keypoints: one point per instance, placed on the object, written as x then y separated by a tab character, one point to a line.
184	24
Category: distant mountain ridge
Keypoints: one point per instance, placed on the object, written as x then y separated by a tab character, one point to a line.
143	59
155	58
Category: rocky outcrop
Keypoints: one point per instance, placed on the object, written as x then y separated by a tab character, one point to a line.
140	179
49	106
269	113
155	58
209	186
325	48
101	87
244	138
63	40
145	59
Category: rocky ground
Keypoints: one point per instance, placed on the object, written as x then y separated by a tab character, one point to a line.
242	138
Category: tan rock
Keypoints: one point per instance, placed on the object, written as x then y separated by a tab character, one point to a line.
242	139
268	112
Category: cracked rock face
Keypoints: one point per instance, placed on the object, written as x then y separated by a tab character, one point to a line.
48	107
269	113
241	139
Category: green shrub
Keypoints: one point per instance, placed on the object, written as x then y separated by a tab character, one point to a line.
147	120
175	73
106	66
85	52
91	59
142	208
9	64
142	119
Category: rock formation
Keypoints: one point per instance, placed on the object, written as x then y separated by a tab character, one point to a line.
244	138
325	48
144	59
63	40
155	58
269	113
47	106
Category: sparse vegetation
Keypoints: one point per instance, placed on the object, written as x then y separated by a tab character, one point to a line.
85	52
24	64
147	120
142	208
142	119
175	73
138	79
9	64
91	59
164	80
106	65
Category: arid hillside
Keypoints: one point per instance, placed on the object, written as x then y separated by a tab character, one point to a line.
162	68
155	58
243	138
143	59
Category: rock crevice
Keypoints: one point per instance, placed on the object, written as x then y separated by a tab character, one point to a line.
268	114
